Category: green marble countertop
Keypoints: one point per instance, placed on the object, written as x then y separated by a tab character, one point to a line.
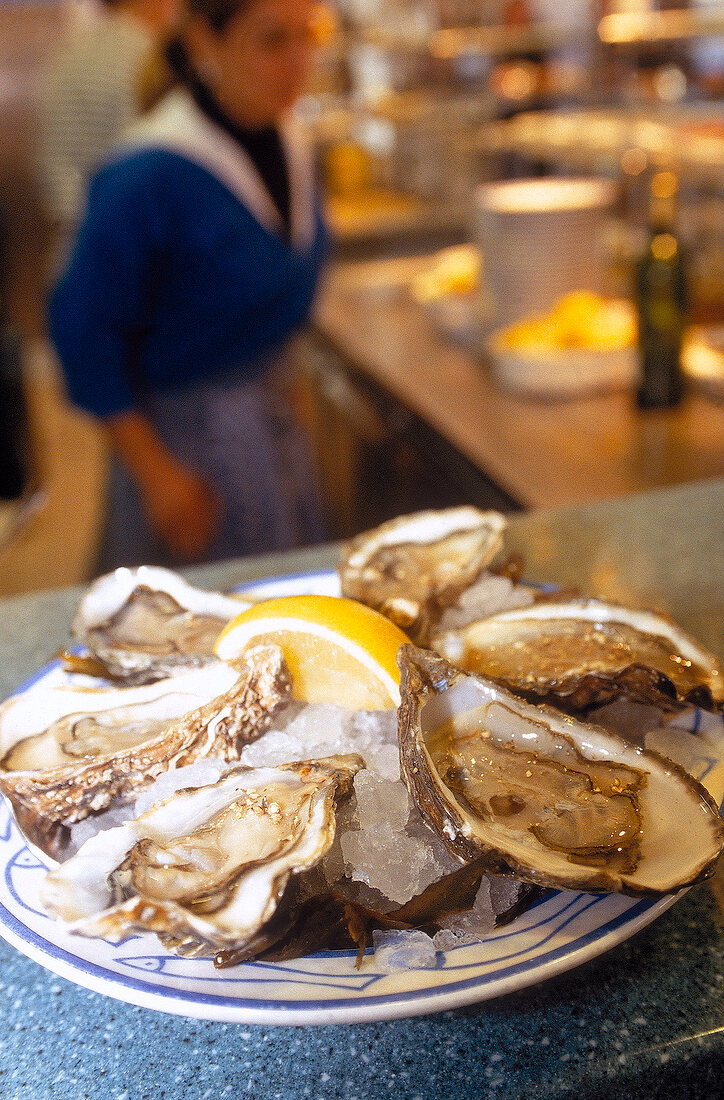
646	1019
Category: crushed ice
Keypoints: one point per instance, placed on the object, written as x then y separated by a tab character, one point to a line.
383	850
401	950
490	593
199	774
376	846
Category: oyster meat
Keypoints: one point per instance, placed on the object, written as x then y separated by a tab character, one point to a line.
206	868
145	623
83	762
556	801
579	654
412	567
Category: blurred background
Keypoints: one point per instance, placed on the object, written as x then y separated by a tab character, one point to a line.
488	170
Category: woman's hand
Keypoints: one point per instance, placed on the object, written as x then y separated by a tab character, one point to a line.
182	510
181	507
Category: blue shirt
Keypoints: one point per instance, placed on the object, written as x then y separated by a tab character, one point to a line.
172	279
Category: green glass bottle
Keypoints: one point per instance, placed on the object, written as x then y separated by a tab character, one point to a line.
662	301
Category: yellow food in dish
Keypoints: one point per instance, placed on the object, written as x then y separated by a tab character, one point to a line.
581	320
456	270
337	650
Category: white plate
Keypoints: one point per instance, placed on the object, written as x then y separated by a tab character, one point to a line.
562	373
560	932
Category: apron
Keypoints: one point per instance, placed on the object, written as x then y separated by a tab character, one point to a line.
239	434
243	439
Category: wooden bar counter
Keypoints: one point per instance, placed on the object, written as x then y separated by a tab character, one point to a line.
541	453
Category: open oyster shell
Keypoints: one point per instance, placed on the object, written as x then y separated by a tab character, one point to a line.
584	653
54	723
145	623
94	758
556	801
204	869
412	567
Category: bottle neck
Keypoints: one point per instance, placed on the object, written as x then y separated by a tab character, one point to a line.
662	202
662	214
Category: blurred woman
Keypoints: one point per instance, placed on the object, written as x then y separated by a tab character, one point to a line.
199	256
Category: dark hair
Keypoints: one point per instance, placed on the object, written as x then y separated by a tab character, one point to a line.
178	61
218	14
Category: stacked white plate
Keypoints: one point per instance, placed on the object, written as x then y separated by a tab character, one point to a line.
541	238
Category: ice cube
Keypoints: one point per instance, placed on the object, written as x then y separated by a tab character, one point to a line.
399	949
444	863
95	823
302	732
379	800
473	924
353	850
385	762
275	747
389	861
446	939
373	727
505	892
193	775
489	594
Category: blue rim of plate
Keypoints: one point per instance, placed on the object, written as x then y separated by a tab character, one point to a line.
561	931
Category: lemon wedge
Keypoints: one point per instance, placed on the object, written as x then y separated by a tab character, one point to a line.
337	650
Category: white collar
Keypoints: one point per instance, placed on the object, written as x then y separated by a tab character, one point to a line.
178	124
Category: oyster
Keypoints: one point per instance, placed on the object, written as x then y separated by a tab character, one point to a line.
145	623
53	723
412	567
556	801
204	869
585	653
95	758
